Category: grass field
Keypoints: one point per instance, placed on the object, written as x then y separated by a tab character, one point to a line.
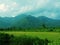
43	35
52	36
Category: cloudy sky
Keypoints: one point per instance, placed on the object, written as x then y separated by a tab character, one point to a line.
49	8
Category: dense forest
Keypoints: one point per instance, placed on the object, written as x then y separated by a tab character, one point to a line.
43	28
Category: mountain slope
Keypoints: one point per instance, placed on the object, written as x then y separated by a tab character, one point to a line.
49	22
28	21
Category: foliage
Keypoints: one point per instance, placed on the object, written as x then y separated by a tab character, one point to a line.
6	39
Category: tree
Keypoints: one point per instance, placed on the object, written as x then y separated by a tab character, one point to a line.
44	26
51	30
5	39
46	41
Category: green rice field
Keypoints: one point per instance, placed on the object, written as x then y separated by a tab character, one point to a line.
49	35
52	36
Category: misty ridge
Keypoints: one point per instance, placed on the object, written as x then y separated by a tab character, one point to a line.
24	21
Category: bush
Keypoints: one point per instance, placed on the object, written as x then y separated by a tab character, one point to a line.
6	39
28	40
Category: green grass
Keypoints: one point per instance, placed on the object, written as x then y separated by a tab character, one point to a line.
42	35
52	36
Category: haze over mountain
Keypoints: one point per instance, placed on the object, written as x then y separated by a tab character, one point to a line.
28	21
48	8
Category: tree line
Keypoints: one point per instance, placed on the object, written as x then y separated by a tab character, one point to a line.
42	28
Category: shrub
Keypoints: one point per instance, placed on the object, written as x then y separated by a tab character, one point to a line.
6	39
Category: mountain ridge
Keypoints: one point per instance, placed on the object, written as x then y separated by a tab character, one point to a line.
28	21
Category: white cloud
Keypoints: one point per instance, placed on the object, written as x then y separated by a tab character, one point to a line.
14	7
25	8
3	7
52	15
57	4
14	4
41	3
49	14
8	7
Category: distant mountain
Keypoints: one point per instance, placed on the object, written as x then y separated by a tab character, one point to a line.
28	21
49	22
5	22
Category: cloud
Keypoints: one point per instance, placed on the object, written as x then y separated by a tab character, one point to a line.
57	4
41	7
25	8
3	7
41	3
14	4
52	15
49	14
